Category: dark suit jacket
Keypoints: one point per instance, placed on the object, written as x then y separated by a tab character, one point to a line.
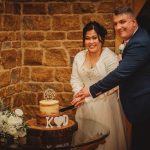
133	77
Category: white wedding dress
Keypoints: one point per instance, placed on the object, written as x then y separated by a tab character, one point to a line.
105	108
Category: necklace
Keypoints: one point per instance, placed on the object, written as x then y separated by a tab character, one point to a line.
92	60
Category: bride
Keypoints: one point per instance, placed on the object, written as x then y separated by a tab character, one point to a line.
89	66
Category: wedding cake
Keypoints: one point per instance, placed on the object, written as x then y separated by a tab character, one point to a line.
48	117
49	114
50	126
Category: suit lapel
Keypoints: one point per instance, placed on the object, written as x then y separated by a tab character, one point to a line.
131	40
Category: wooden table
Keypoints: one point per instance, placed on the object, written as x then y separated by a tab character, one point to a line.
84	138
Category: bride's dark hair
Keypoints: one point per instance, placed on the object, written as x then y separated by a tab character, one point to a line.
98	28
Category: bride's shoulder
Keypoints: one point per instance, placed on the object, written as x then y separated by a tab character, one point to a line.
80	54
108	52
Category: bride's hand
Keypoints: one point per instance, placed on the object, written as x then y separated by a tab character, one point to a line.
77	102
82	93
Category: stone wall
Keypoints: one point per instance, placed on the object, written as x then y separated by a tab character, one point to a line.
38	39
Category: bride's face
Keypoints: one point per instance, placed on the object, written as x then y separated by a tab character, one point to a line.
92	42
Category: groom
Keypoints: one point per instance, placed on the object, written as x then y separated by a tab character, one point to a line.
132	75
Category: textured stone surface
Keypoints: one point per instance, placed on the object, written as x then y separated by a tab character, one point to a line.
38	42
4	78
25	74
13	8
50	44
33	87
55	57
34	9
33	57
81	8
11	23
42	74
25	98
74	35
63	74
33	36
58	87
61	8
11	58
105	7
15	75
66	22
36	23
55	36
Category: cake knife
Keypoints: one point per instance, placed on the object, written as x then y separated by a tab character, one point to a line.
67	108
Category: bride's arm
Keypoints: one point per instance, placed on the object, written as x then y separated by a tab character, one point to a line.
76	81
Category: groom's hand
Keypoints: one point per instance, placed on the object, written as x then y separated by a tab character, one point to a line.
79	98
83	93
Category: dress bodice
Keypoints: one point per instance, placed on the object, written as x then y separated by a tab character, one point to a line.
91	75
84	77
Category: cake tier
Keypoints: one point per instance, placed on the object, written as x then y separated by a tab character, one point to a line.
41	118
49	106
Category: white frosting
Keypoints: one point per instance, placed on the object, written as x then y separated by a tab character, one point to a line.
49	106
49	102
52	107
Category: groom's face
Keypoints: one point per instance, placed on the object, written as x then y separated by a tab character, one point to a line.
125	25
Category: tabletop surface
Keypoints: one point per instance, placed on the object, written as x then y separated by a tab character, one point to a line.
89	133
86	133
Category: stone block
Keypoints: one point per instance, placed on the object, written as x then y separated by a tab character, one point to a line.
63	74
72	44
10	58
61	8
4	78
81	8
33	36
15	75
50	44
57	87
24	98
30	44
56	57
2	92
1	8
106	7
42	74
33	57
10	90
0	23
66	22
16	44
104	19
36	23
11	22
76	35
12	8
25	74
34	9
55	36
33	87
67	87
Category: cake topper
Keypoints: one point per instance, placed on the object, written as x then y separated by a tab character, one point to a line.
49	94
